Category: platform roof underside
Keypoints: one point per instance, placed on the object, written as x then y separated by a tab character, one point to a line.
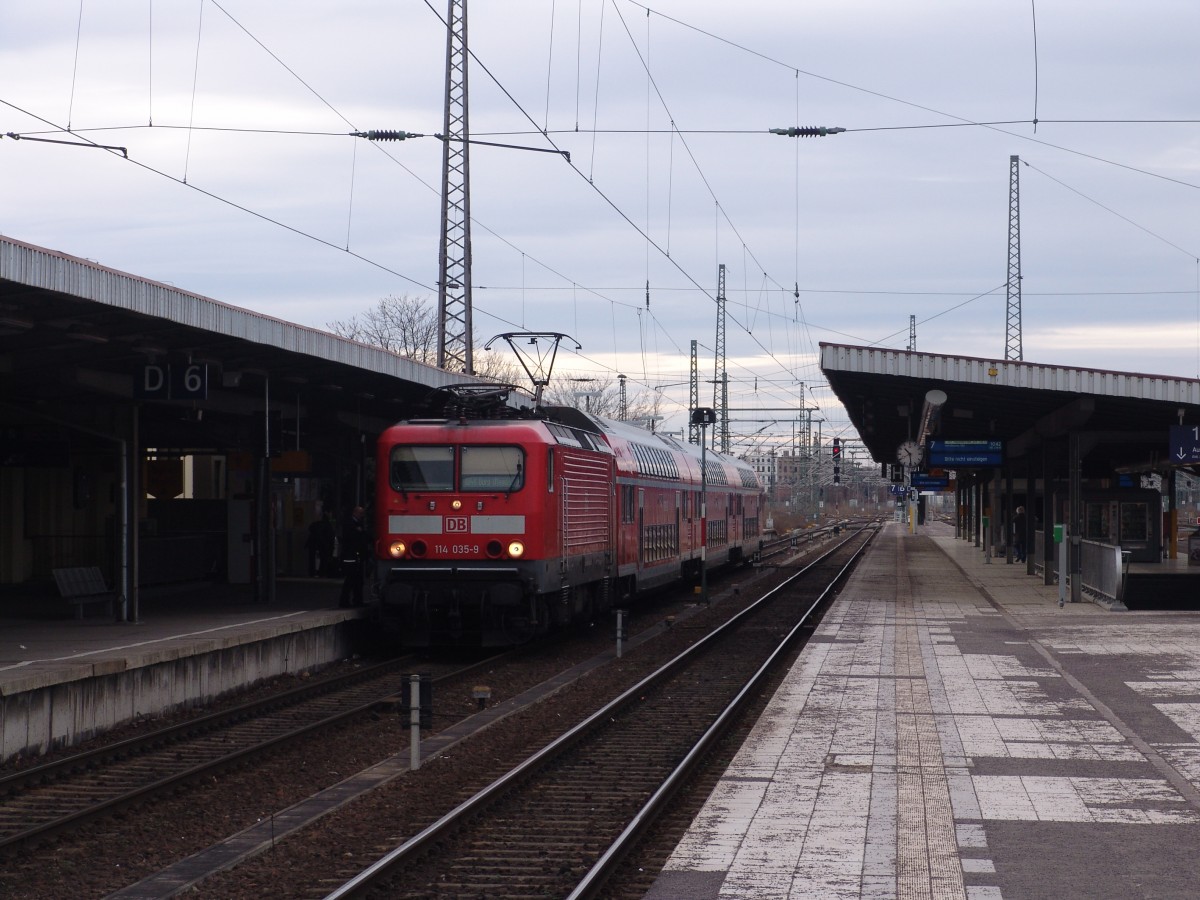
74	336
1122	418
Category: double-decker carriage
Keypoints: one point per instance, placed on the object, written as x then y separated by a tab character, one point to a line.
492	531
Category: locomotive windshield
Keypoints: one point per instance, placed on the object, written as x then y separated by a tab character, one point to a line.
493	469
422	468
419	469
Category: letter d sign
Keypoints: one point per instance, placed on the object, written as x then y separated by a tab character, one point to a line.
152	383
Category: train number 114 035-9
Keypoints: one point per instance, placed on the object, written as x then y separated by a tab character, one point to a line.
455	549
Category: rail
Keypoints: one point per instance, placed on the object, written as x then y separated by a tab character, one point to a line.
590	885
799	538
371	877
168	752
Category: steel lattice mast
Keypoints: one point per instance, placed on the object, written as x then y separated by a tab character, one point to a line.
721	377
1012	337
693	397
454	255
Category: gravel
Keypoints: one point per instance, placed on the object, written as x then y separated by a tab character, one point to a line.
122	850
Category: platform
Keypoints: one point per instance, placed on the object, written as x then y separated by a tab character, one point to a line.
1167	584
62	680
951	732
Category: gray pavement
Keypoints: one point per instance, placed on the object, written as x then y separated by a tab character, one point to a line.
38	648
951	732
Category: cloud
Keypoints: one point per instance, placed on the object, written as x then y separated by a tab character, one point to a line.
895	217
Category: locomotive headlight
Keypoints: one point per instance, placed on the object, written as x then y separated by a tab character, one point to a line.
457	504
397	549
516	549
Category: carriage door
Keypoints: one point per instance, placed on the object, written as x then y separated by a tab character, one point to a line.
641	525
676	549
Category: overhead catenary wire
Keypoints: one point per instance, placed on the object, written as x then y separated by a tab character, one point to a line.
751	319
549	65
75	65
1110	210
187	157
234	205
657	325
612	204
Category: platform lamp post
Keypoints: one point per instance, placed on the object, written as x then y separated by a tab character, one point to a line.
704	416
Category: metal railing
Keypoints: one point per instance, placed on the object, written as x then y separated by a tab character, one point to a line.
1105	567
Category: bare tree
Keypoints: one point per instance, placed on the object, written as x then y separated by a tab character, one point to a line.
404	325
408	326
601	396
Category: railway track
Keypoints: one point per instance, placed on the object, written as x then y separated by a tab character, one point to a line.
559	823
53	798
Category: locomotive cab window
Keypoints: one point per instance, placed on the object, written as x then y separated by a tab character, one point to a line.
493	469
418	469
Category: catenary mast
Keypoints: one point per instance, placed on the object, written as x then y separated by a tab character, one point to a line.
693	396
721	376
1012	336
454	254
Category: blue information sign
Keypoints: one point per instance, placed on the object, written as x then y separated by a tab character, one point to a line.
1185	444
966	453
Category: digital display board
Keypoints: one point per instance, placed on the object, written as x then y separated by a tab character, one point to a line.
923	482
966	453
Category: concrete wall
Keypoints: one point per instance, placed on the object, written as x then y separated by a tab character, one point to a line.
69	712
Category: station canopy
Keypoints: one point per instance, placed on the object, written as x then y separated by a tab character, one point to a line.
1124	419
78	340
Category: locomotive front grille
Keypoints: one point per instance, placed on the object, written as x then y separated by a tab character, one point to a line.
454	570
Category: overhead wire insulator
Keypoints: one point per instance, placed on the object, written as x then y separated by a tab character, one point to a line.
386	135
807	131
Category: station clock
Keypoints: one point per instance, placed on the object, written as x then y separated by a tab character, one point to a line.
909	454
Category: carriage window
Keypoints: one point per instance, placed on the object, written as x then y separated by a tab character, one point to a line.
422	468
493	469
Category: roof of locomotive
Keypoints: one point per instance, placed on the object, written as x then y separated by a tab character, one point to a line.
566	424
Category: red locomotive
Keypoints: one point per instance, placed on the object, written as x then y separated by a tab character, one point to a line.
493	530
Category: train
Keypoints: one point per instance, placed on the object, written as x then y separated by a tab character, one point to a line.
493	530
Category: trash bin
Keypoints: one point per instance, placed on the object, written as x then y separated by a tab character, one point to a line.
1194	548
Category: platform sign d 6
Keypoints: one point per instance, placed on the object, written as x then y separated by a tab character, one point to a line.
1185	444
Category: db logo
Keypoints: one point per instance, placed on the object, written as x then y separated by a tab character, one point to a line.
456	525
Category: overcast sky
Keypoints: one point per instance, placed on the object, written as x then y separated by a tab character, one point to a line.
265	202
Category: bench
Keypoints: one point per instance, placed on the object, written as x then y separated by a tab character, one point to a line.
80	585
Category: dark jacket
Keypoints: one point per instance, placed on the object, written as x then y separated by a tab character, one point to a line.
354	540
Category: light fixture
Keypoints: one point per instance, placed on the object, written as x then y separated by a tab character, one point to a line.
931	414
456	504
516	549
397	549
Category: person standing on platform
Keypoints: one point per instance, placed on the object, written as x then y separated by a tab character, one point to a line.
354	552
1018	525
319	547
327	546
